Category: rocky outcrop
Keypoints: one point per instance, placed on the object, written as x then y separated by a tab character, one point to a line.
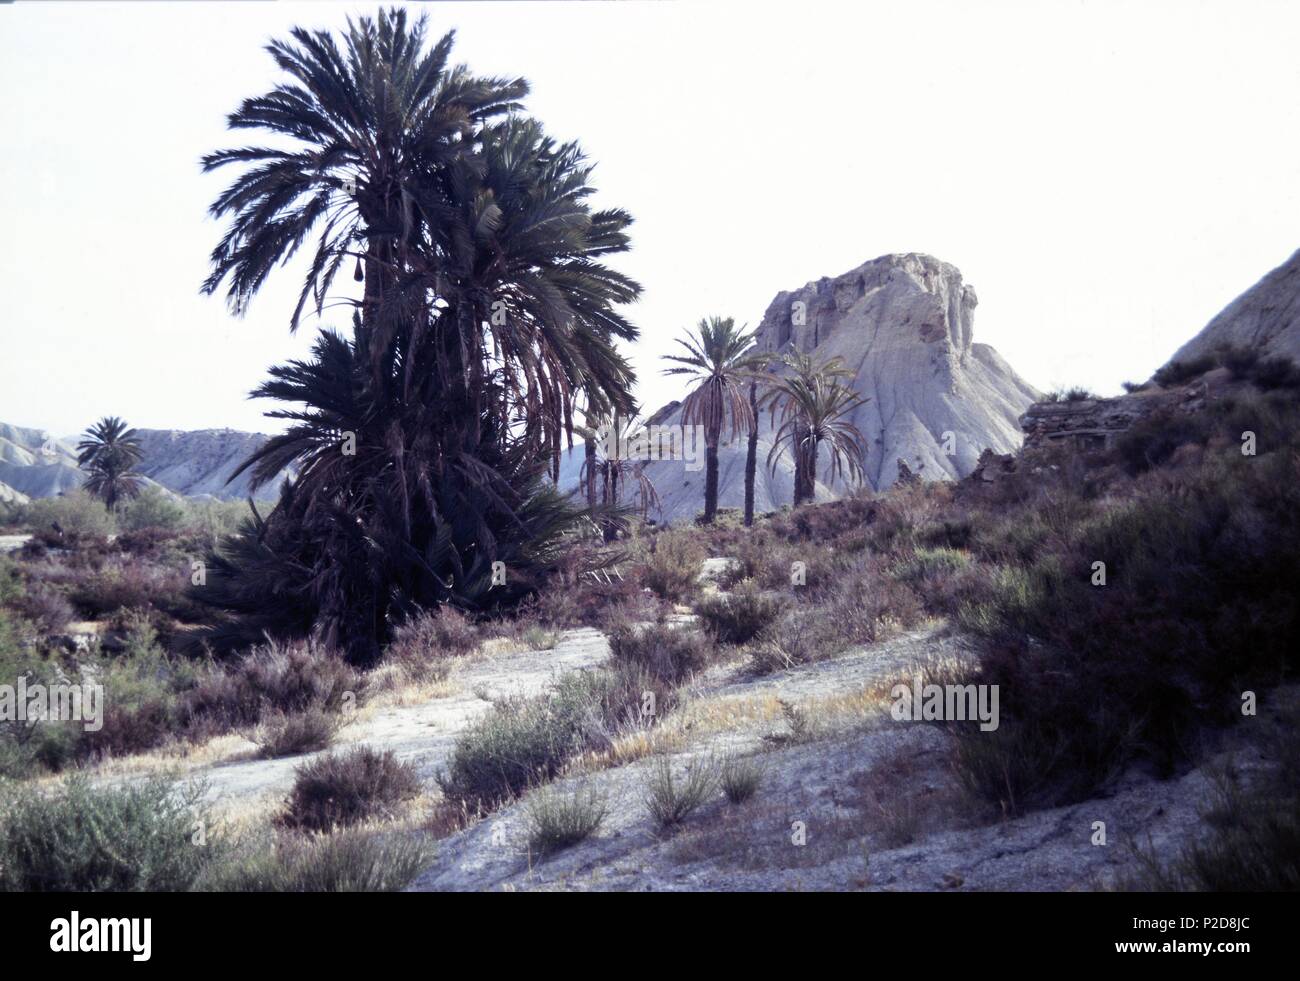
10	496
904	327
199	462
1265	318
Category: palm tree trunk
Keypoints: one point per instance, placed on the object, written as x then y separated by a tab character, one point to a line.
751	454
805	468
590	451
711	474
810	473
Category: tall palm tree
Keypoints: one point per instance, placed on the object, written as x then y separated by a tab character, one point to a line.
756	378
809	407
370	123
487	315
718	359
108	452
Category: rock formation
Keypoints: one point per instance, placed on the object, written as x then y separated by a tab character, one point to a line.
902	324
1266	318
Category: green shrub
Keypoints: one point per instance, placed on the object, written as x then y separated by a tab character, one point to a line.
143	690
738	617
671	569
740	778
1075	394
349	860
670	801
1197	607
665	652
522	742
213	520
153	836
559	819
274	678
152	508
347	788
868	606
1181	372
80	516
434	634
45	607
930	564
304	732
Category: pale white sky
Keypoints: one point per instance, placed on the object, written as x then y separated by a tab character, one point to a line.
1106	175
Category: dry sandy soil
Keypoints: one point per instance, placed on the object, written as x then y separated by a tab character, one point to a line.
849	798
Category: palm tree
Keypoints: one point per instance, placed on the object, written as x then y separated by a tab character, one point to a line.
487	315
613	472
108	452
718	359
811	405
751	443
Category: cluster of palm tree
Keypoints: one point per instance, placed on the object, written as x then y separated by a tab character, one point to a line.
421	439
810	403
108	452
605	475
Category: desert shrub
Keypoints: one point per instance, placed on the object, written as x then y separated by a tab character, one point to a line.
142	694
304	732
347	788
1075	394
1251	839
11	583
739	616
670	801
1250	364
740	778
152	836
826	522
869	605
152	508
944	579
522	742
559	819
349	860
26	750
288	678
953	533
444	632
664	651
1152	440
45	606
929	564
1197	607
213	519
1181	372
81	517
101	588
671	566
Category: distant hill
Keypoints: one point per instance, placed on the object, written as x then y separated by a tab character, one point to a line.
1266	318
197	463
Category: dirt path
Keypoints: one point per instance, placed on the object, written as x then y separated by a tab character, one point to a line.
421	734
12	543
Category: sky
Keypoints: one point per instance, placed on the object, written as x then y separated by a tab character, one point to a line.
1107	176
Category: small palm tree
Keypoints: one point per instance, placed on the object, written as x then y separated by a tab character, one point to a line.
108	452
811	404
613	473
719	358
